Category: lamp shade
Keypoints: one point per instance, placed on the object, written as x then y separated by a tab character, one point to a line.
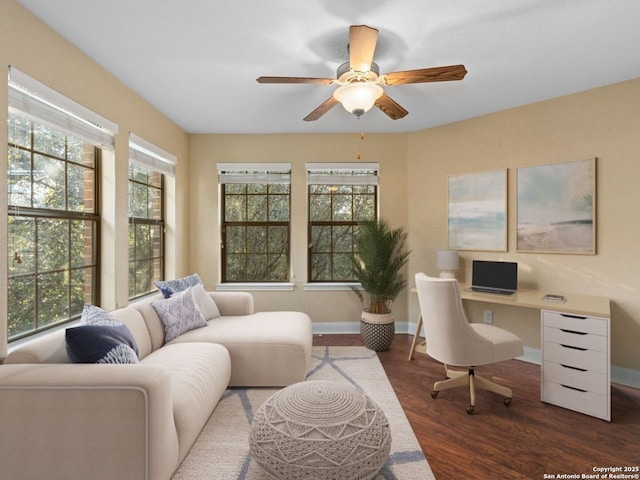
447	262
358	97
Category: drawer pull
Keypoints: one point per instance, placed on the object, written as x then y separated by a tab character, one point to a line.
573	316
572	331
573	388
574	348
573	368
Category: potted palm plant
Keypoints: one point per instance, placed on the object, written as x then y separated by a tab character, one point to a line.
381	254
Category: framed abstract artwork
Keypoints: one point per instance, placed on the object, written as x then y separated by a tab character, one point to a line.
557	208
478	211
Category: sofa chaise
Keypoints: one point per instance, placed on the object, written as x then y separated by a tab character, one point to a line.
64	420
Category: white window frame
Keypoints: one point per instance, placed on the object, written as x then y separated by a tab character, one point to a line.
340	174
147	155
260	173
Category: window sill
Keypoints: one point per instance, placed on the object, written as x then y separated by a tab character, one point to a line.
331	286
257	287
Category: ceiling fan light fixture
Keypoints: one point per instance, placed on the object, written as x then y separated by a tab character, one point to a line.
358	97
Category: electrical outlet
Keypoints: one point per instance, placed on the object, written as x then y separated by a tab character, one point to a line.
487	316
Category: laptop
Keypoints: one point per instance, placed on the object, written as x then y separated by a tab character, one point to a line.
494	277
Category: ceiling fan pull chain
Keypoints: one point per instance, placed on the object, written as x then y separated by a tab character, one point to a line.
358	156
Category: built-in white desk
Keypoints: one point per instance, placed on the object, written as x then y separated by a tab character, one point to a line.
575	346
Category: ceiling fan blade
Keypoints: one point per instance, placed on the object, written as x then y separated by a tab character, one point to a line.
321	81
423	75
389	106
327	105
362	46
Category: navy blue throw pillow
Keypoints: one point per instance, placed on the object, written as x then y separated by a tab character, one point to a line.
100	339
169	287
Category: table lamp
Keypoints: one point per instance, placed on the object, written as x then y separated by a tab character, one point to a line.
447	263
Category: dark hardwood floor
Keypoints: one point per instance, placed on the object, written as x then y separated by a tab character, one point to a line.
527	439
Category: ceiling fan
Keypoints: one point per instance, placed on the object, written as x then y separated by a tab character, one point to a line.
360	82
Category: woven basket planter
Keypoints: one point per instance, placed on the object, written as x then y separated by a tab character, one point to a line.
377	330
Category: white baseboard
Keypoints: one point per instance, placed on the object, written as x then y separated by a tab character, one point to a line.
352	327
625	376
531	355
620	375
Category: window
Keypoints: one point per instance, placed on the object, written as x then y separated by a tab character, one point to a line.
52	226
52	205
148	166
255	212
340	196
146	229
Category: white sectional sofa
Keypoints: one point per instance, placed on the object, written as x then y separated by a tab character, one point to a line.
63	420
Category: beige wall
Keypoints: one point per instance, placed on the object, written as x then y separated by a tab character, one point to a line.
208	150
602	123
29	45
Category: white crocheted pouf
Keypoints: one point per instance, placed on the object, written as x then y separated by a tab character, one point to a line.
320	430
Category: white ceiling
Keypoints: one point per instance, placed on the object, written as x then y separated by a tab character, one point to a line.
197	61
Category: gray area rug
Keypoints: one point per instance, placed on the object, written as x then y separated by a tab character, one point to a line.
222	449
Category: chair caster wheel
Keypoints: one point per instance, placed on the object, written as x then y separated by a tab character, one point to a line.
434	394
470	409
507	401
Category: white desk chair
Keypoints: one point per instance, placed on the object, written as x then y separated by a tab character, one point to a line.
452	340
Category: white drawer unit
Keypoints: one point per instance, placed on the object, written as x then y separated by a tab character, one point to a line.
576	362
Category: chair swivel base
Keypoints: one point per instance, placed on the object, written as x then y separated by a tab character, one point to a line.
460	378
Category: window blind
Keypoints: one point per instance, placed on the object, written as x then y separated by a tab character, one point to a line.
40	103
342	173
269	173
148	155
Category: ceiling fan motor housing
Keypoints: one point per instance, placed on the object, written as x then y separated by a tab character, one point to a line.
346	75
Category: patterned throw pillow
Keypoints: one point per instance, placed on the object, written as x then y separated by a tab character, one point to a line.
169	287
100	339
179	314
